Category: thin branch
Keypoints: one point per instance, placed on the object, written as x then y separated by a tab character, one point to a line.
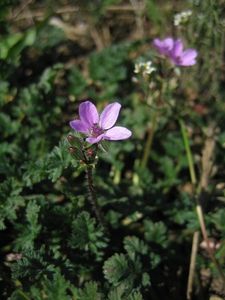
194	251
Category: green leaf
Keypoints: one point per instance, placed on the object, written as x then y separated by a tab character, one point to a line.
87	236
135	246
10	200
156	233
77	82
153	11
89	292
116	268
58	160
31	230
135	296
48	77
119	293
32	266
116	293
56	288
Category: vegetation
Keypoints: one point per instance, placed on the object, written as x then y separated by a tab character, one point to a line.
160	193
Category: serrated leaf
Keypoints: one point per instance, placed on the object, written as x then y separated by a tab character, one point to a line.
135	246
89	292
156	232
87	235
116	268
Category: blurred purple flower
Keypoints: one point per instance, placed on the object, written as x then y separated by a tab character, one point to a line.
97	127
174	49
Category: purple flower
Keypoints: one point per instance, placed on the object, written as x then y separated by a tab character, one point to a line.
174	49
101	127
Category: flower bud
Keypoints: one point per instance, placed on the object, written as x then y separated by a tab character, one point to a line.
74	141
76	153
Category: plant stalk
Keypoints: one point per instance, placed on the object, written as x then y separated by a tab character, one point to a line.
194	251
197	192
92	196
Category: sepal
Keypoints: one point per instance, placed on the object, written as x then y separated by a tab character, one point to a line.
76	153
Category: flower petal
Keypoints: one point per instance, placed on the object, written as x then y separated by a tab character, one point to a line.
94	140
164	46
189	57
88	113
177	48
117	133
109	115
79	126
157	43
188	63
168	43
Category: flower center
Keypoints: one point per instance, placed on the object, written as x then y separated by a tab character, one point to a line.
178	59
96	130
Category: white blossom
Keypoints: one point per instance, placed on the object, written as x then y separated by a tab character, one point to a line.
145	68
182	17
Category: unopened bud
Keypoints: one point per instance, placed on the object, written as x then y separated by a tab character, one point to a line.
76	153
90	152
70	138
74	141
13	256
71	150
213	245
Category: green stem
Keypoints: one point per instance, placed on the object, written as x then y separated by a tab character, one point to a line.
148	144
197	193
188	152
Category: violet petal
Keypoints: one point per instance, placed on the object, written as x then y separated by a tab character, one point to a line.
187	63
164	46
168	43
188	57
88	113
94	140
79	126
177	48
109	115
117	133
157	43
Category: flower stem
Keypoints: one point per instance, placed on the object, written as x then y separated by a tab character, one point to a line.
188	152
92	195
194	251
197	193
148	144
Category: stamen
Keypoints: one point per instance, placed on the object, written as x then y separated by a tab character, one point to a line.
96	130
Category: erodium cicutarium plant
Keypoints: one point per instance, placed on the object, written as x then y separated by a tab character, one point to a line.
174	50
95	128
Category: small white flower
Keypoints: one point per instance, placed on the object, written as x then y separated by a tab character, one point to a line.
182	17
145	68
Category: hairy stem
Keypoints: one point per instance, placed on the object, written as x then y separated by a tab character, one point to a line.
92	195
